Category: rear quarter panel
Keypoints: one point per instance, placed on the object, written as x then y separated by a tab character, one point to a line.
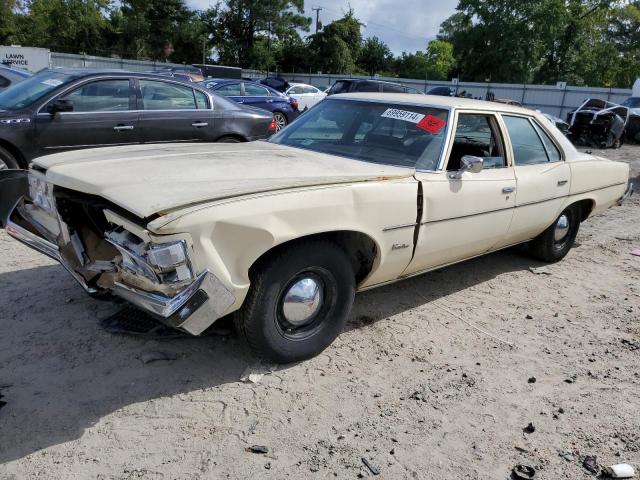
599	180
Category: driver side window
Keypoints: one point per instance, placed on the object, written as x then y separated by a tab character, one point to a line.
477	135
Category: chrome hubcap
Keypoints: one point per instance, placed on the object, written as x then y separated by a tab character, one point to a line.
281	122
562	228
302	301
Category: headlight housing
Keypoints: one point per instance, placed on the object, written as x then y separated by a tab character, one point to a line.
41	193
162	263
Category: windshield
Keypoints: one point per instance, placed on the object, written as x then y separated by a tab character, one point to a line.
391	134
32	89
633	102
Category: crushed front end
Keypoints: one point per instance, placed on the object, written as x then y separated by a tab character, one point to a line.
110	252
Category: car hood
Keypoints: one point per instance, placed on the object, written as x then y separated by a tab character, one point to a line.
156	179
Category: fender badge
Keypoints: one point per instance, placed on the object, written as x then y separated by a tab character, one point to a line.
398	246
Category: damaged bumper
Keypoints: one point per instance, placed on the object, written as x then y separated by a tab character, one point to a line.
141	273
627	193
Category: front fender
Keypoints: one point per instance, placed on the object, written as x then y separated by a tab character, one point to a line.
14	184
229	236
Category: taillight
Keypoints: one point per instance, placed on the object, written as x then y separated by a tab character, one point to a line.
294	103
272	126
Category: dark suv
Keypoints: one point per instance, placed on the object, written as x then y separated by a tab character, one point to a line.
62	109
352	85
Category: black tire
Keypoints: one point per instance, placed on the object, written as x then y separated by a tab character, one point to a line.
281	120
229	140
547	247
262	320
7	160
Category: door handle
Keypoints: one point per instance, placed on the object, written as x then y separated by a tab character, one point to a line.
119	128
508	189
240	101
269	101
562	182
200	124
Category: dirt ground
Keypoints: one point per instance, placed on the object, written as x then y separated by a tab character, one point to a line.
432	379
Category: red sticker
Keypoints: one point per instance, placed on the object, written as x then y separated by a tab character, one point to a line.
431	124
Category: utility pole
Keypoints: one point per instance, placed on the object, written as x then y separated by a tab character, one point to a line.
317	10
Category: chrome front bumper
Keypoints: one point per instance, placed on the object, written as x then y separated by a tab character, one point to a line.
194	308
628	192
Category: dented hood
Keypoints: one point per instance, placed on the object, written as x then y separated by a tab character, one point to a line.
150	179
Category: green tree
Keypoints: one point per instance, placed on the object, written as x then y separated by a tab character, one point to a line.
439	59
143	28
66	25
337	47
246	31
375	56
8	21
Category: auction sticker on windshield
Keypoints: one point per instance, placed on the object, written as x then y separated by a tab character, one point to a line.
428	123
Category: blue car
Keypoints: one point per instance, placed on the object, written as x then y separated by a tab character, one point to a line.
285	109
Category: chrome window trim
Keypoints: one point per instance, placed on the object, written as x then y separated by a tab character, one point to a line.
135	78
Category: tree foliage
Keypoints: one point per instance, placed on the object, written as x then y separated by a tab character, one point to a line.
583	42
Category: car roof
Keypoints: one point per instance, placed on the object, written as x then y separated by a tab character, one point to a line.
435	101
373	80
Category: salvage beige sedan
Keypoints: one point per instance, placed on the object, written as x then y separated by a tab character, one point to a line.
363	190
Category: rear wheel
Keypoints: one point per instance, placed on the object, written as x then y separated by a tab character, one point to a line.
555	242
298	302
7	160
281	120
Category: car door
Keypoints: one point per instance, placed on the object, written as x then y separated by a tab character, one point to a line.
172	112
232	90
257	96
543	177
466	216
103	114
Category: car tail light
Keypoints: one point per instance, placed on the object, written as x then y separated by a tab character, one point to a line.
272	126
294	103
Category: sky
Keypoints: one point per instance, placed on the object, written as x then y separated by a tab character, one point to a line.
404	25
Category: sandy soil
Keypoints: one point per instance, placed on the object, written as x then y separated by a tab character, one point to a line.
429	381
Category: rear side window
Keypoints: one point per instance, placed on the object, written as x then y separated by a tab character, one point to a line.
4	82
229	90
393	89
101	96
340	86
528	148
552	151
166	96
251	90
367	87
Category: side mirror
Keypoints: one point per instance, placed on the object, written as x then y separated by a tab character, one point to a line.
468	163
60	105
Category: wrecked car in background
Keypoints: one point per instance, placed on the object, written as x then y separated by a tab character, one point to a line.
598	124
633	126
361	191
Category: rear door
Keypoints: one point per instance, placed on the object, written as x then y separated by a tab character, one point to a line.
257	96
103	114
543	177
173	112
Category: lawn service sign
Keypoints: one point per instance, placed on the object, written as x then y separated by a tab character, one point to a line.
26	58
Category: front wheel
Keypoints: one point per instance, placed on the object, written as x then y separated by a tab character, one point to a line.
298	302
555	242
281	120
7	160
